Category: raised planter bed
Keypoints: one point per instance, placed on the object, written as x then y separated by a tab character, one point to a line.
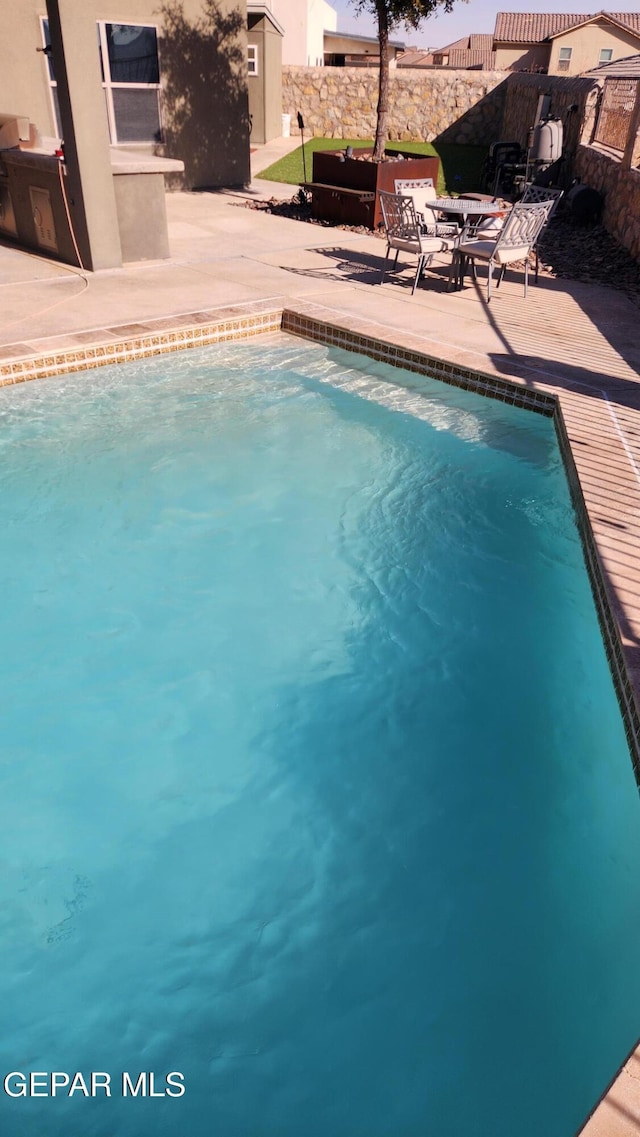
345	190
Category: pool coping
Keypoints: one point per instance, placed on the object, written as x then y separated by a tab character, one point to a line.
592	434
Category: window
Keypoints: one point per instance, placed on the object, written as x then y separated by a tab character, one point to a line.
606	55
564	58
252	59
130	77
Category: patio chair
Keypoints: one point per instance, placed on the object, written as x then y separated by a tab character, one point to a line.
534	194
403	233
514	243
423	191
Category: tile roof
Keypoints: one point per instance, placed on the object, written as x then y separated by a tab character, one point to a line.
534	27
457	45
413	58
475	50
481	59
481	42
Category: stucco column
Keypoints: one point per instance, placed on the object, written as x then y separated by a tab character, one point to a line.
89	181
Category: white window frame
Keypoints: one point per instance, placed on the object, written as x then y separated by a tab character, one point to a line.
564	58
252	59
52	84
608	52
109	86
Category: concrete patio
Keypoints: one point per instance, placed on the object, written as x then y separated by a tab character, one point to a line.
576	342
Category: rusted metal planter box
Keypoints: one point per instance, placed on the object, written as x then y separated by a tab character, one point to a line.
332	171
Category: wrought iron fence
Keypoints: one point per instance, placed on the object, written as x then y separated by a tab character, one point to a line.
612	127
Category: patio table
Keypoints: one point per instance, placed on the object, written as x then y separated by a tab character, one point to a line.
466	207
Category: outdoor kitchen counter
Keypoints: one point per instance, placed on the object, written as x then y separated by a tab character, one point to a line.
33	211
137	162
138	182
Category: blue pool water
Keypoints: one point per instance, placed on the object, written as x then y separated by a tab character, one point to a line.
314	786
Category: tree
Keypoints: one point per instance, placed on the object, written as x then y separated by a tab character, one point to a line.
390	13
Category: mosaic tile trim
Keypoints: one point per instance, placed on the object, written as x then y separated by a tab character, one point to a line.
140	347
397	356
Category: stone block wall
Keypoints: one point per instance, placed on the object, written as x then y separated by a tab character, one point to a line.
448	106
621	191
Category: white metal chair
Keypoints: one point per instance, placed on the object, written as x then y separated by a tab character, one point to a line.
514	243
404	235
423	191
534	194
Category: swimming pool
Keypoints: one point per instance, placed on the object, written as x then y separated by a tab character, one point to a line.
314	784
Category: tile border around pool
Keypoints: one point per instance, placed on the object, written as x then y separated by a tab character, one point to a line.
121	344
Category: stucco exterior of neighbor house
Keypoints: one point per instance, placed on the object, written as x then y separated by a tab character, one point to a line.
304	23
562	43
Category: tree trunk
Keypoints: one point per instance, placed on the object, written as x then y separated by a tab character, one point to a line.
382	111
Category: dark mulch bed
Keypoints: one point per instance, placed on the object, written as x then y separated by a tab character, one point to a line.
588	253
568	250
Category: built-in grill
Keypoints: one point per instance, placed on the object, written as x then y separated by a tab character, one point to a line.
30	190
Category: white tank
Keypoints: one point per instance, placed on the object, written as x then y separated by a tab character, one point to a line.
547	141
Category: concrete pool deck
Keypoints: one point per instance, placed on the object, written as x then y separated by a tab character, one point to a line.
575	342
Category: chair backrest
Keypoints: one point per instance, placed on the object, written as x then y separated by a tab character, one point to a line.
523	226
533	194
422	190
399	216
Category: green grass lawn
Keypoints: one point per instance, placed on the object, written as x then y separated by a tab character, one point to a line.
460	166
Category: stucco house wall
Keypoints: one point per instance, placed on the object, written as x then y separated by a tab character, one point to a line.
304	23
521	57
203	79
24	87
587	42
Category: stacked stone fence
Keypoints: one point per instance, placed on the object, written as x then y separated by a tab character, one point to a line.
443	106
620	189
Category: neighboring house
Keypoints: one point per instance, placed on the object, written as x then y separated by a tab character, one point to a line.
550	42
415	57
157	98
563	44
304	23
343	49
474	52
